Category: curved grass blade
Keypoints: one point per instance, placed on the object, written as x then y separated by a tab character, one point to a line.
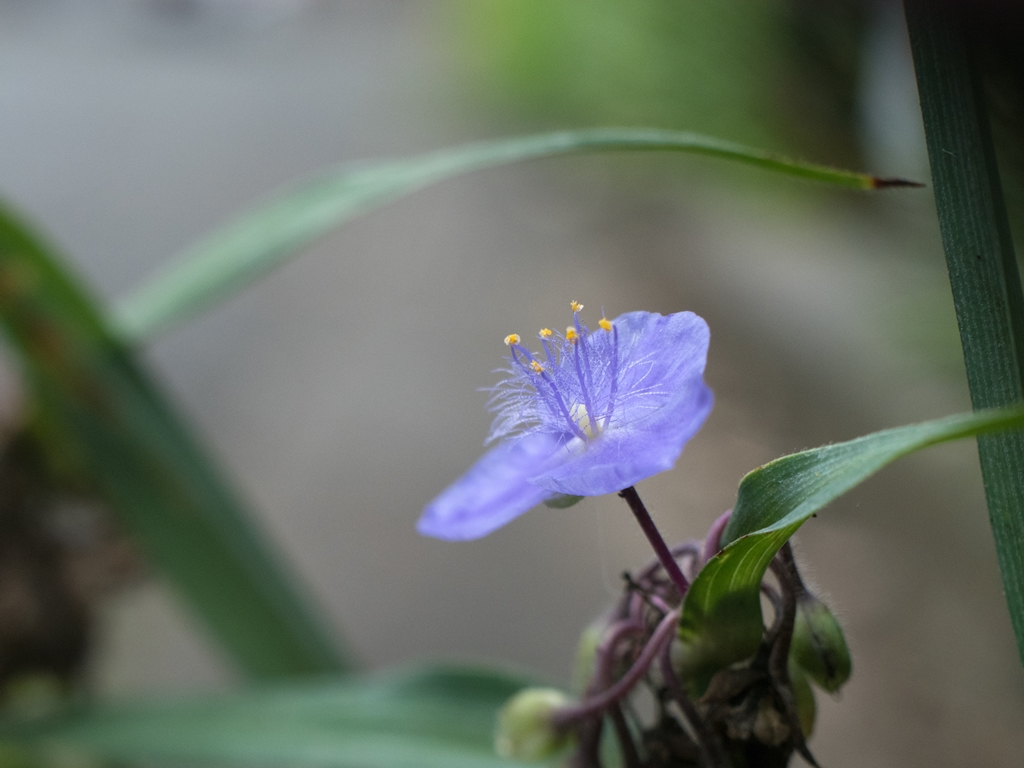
423	718
261	239
98	411
721	622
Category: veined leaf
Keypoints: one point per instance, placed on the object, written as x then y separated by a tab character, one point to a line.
721	622
425	718
97	409
239	253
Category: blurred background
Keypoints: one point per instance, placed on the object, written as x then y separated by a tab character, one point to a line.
342	393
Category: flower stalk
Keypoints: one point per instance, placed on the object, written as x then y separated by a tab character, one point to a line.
643	517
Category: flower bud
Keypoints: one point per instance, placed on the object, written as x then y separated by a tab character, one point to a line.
562	501
819	647
525	730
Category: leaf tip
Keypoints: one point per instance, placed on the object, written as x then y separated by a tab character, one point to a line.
889	182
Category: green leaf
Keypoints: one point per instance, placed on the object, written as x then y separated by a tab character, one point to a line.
261	239
419	718
982	266
97	411
721	622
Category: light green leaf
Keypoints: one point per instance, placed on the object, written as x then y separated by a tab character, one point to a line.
420	718
259	240
721	622
100	415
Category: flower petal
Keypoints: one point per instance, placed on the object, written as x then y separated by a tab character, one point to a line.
663	401
623	457
494	491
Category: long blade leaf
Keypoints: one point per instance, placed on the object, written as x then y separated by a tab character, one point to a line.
96	406
721	622
261	239
427	718
982	266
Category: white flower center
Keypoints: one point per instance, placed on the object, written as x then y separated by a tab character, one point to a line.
579	414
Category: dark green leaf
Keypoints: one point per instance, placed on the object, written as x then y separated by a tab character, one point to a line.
982	266
242	251
425	718
97	408
721	622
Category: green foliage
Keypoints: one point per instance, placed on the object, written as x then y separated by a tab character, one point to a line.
721	622
261	239
417	718
765	72
663	63
97	412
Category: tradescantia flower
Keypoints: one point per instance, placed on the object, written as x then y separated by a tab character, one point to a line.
592	413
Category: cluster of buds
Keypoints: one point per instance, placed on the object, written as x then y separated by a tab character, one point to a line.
754	713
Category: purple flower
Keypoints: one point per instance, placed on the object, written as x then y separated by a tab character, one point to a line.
594	412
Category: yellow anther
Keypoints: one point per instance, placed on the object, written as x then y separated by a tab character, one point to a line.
576	306
512	338
546	333
605	323
537	367
570	333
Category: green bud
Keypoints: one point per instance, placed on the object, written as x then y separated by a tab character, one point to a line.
803	696
586	655
819	647
562	501
524	730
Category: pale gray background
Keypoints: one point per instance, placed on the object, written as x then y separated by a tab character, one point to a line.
341	393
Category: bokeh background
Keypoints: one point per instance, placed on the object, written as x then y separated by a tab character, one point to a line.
341	393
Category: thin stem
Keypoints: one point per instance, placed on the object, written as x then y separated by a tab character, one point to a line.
691	548
630	758
782	630
588	754
646	595
668	562
784	568
713	542
599	703
616	633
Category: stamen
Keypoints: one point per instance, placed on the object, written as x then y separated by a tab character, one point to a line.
545	334
584	333
588	406
576	306
614	375
512	338
570	334
555	394
605	323
561	406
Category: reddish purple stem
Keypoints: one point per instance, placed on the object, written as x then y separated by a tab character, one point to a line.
668	562
661	636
